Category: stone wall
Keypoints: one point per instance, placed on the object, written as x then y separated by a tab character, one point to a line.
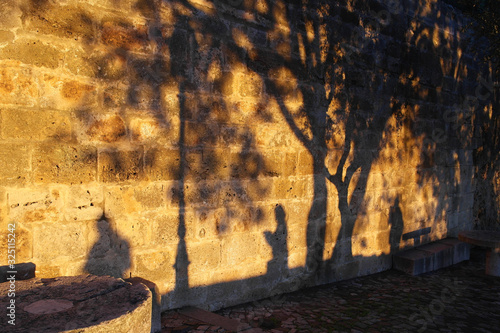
233	150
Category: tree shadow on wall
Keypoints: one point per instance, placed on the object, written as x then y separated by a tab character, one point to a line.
347	102
110	254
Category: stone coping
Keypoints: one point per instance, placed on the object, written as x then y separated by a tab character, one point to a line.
84	303
485	238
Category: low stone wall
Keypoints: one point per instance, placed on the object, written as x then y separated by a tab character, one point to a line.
229	151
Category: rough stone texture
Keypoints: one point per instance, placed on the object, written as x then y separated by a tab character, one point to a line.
83	303
211	148
156	302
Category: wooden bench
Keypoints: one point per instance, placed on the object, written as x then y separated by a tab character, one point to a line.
488	239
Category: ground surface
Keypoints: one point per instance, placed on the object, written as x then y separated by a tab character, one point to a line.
460	298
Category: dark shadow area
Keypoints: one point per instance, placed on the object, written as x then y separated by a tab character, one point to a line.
110	255
278	242
397	224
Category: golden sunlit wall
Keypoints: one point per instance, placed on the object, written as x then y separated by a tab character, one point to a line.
232	150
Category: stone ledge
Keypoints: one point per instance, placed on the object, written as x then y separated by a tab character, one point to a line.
76	304
431	257
156	300
22	271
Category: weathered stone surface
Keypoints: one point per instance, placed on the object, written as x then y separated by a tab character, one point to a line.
82	303
74	22
156	323
155	265
15	161
121	166
135	229
204	256
35	205
23	240
125	200
109	128
84	203
6	36
17	84
64	164
124	35
63	94
162	164
10	16
35	125
58	242
32	52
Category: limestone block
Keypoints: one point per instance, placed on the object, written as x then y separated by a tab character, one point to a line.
59	242
248	164
23	240
32	52
124	200
289	188
10	14
75	22
231	193
210	164
36	125
35	205
78	61
162	164
121	165
116	94
224	84
202	224
274	136
148	129
206	193
204	134
143	95
64	164
164	228
203	256
62	94
84	203
15	163
236	219
135	229
305	163
48	271
3	204
6	36
107	128
125	36
239	249
155	265
18	84
290	163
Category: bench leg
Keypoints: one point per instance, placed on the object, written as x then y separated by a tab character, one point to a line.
493	262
